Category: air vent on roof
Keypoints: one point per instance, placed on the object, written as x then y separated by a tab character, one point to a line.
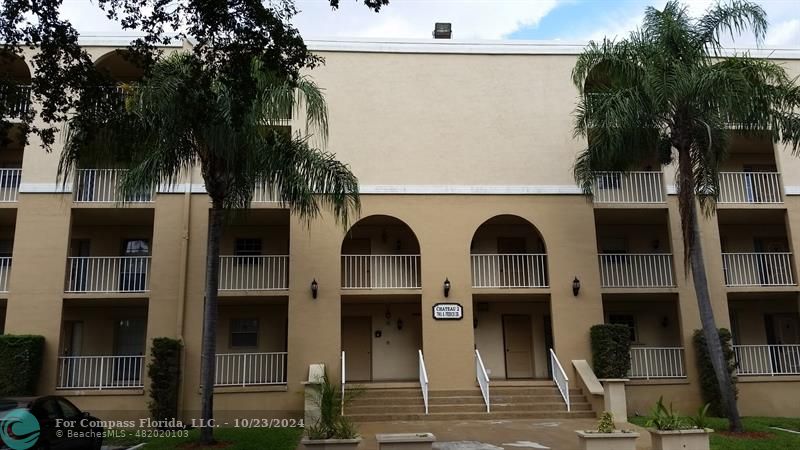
442	30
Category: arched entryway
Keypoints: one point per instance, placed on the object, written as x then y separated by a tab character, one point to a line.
511	302
381	304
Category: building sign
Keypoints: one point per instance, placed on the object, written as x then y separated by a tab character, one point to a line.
448	311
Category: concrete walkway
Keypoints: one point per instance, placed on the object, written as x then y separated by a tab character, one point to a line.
494	434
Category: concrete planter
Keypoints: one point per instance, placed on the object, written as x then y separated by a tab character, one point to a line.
618	440
695	439
405	441
330	444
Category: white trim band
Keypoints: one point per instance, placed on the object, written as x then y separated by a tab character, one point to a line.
457	189
792	190
45	188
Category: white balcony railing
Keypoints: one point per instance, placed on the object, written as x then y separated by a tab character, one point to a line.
250	369
629	187
102	186
657	362
758	269
750	187
265	194
9	184
381	272
5	272
521	270
15	99
767	359
636	270
108	274
254	273
100	372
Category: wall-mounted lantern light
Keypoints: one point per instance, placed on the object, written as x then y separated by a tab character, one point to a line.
576	286
446	287
314	288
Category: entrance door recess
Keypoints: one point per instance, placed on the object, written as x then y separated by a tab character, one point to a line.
518	342
357	346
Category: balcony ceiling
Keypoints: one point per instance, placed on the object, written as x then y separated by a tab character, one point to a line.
647	216
112	216
751	216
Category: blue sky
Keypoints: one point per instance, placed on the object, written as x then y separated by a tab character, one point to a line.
565	20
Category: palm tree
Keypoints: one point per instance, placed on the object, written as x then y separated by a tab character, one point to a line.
180	117
667	92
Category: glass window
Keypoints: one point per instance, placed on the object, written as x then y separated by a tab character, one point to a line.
47	409
244	333
624	319
69	410
247	247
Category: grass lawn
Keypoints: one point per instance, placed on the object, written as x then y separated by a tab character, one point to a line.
773	439
238	438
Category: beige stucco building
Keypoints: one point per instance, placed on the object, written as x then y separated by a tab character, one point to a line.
464	154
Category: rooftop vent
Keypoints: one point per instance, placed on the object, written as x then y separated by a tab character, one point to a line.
442	30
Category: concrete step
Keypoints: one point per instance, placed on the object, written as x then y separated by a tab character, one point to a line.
472	416
468	408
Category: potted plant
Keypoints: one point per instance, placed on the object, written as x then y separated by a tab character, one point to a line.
670	431
332	430
607	437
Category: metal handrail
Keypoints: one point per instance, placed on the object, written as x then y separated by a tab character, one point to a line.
423	380
560	377
483	379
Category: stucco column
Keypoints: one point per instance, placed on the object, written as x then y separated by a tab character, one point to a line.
169	236
572	252
448	345
314	334
36	285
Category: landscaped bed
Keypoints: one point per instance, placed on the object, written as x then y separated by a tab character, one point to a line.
229	439
758	433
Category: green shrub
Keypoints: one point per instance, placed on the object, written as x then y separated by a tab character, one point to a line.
20	364
708	380
164	371
331	423
666	419
611	350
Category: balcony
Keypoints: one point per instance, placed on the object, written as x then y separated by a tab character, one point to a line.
629	187
94	274
100	372
15	99
640	270
750	187
102	186
524	270
381	272
5	273
250	369
767	360
657	362
758	269
380	252
9	184
254	273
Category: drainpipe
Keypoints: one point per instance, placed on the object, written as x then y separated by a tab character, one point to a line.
182	277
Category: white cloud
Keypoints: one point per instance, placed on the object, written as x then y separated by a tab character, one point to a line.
471	19
785	33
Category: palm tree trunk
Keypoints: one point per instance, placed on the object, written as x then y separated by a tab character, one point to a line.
711	333
209	350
